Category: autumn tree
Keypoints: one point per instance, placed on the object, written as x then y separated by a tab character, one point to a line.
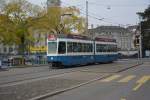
145	28
16	23
58	20
19	20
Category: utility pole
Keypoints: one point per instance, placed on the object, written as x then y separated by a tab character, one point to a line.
140	38
86	30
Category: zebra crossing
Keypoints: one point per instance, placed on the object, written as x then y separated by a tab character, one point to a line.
126	78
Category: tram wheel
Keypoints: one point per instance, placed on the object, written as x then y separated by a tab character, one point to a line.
50	66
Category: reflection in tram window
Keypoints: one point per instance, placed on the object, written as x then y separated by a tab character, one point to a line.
79	47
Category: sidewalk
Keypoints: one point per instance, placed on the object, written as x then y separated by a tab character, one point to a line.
21	70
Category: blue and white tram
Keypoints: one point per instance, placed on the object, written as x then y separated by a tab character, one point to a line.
79	50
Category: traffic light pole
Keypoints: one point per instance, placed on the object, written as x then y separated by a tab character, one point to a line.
86	28
140	42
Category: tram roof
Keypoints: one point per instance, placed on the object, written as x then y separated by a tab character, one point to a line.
69	36
80	37
105	39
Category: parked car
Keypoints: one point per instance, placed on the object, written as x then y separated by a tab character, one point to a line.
4	64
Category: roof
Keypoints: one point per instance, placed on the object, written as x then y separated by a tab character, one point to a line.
104	29
80	37
69	36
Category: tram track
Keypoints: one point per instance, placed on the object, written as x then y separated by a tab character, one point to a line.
3	76
39	76
33	75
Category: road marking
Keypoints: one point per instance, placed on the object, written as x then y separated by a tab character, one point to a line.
140	82
122	99
111	78
137	86
127	79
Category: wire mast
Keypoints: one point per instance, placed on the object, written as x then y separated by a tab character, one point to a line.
86	27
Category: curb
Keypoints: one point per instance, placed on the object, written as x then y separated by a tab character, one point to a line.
77	86
27	66
128	68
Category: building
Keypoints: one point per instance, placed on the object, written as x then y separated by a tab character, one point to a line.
53	3
124	37
40	43
6	50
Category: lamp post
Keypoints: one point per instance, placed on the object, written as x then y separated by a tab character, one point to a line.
61	21
140	36
140	39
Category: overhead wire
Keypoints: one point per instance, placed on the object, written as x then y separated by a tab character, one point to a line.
91	15
117	5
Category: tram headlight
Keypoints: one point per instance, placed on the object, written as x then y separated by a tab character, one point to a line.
52	58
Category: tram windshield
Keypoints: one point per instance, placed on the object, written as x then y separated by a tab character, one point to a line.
52	47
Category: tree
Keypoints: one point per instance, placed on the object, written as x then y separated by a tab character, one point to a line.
16	19
55	20
19	20
75	23
145	28
6	36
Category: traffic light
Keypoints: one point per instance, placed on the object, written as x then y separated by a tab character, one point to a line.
137	41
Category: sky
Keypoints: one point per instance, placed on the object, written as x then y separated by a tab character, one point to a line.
111	12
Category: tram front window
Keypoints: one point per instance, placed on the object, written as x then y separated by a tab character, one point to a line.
52	47
62	48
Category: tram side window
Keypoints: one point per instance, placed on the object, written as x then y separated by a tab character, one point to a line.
79	47
109	48
62	48
112	48
70	47
116	48
100	47
75	48
106	48
91	47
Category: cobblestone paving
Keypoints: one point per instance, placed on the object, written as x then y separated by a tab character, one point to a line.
30	90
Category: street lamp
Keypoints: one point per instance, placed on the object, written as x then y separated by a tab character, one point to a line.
140	36
61	22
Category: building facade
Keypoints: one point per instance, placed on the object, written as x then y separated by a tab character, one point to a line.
53	3
6	50
124	37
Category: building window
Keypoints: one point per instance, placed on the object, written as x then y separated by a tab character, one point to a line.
5	49
10	49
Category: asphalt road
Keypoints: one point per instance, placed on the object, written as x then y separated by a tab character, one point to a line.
133	84
34	82
22	74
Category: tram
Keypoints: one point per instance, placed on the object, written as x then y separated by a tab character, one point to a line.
68	50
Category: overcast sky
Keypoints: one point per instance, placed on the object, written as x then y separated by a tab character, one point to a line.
113	12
